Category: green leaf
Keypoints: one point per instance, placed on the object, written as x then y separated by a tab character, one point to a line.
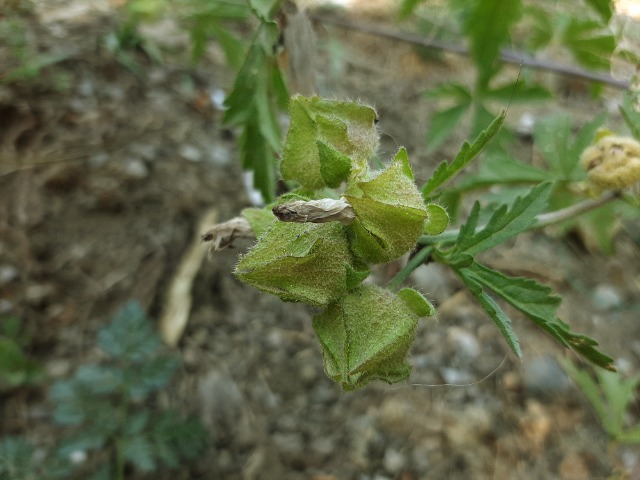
588	43
265	9
487	26
210	19
456	92
631	115
505	223
443	123
175	439
99	379
604	8
538	304
445	171
492	309
253	105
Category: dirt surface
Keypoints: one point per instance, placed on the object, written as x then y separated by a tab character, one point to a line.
103	180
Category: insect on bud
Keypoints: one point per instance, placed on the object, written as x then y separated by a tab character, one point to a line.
315	211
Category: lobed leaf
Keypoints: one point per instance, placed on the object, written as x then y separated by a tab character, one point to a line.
253	104
487	26
505	223
538	304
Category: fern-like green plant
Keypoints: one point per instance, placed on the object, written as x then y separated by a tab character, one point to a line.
106	406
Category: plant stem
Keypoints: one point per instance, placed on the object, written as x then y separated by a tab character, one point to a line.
414	262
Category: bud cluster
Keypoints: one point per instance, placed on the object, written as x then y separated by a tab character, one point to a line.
318	250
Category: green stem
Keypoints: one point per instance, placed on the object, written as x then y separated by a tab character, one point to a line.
415	261
120	463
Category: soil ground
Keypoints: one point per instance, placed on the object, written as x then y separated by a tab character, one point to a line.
104	177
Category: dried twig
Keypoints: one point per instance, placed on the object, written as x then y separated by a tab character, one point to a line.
178	304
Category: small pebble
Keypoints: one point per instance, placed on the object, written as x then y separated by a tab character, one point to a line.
606	297
189	152
543	377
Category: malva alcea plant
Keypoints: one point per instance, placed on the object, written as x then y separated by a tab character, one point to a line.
316	244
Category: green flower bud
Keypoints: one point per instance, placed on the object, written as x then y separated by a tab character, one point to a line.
390	213
326	139
301	262
367	333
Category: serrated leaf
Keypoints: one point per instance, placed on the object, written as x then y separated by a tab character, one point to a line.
445	171
492	309
539	305
265	9
130	335
175	439
505	223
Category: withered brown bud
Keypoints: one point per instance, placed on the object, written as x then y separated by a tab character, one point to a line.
222	235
